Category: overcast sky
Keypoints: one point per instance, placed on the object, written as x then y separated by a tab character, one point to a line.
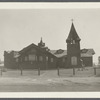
20	28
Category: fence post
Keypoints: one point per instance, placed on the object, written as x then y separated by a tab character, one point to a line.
1	71
58	71
94	71
73	70
39	71
21	71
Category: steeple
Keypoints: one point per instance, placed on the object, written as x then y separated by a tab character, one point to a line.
73	48
72	34
41	41
41	44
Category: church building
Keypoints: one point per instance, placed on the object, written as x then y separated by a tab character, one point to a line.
40	56
73	55
31	57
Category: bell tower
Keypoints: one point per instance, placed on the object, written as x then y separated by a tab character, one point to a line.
73	48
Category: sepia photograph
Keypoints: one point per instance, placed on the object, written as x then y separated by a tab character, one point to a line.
50	49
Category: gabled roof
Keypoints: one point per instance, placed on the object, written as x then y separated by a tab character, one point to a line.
45	51
16	54
87	52
27	48
84	53
59	53
73	34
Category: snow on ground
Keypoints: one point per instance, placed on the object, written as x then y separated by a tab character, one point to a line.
12	81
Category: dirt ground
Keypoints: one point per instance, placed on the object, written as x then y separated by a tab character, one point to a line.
49	81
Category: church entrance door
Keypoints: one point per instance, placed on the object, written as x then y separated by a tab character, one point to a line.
74	60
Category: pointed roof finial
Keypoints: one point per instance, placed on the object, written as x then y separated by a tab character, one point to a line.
41	44
41	38
72	20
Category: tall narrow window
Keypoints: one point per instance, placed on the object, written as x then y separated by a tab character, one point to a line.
40	58
16	59
73	41
46	58
63	60
51	59
26	58
36	57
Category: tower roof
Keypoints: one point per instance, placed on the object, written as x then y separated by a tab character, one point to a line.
41	44
73	34
41	41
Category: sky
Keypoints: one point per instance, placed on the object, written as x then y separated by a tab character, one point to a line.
21	27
